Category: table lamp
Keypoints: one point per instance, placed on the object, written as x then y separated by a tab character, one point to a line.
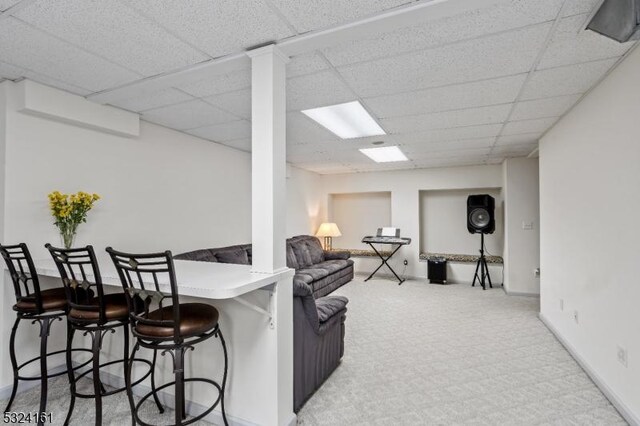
328	230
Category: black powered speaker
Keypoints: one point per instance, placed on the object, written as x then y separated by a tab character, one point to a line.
481	214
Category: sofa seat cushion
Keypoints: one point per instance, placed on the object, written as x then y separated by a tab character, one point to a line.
315	273
328	306
333	266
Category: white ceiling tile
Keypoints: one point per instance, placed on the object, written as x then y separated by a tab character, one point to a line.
301	129
324	168
443	135
224	132
540	108
452	145
475	153
188	115
241	144
216	27
514	150
11	72
153	100
316	90
223	83
113	31
566	80
526	138
570	45
575	7
459	96
28	48
444	162
238	102
490	57
528	126
307	63
469	25
308	15
447	119
6	4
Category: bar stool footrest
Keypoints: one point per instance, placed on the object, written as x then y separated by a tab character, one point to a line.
120	389
166	385
60	373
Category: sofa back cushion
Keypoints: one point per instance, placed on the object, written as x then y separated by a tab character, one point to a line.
203	255
292	261
236	254
315	250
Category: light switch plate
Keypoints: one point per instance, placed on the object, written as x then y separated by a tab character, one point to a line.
527	226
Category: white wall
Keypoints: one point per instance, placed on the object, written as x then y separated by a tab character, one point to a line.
305	210
589	204
405	187
358	215
443	223
522	245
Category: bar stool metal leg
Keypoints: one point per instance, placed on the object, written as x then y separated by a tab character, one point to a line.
45	328
72	382
14	363
96	343
224	377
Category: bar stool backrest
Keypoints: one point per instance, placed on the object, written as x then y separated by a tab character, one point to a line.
81	278
142	276
23	274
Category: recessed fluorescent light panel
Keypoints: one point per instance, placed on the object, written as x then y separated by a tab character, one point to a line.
348	120
386	154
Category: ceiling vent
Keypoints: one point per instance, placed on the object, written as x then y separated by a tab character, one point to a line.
618	19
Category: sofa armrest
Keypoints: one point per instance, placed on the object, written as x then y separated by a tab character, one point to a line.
336	255
329	306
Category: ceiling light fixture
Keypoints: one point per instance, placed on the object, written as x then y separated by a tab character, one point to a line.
348	120
386	154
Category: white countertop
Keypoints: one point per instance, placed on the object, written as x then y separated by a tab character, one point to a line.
198	279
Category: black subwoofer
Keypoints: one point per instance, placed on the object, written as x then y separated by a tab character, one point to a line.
481	214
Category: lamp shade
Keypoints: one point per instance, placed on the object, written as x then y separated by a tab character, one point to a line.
328	229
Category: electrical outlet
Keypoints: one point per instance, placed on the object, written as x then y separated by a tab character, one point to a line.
622	355
536	273
561	304
575	316
406	262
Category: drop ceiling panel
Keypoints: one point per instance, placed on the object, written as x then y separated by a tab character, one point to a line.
566	80
216	27
308	63
188	115
6	4
458	133
237	103
224	132
217	84
453	145
476	153
526	138
448	119
575	7
485	58
541	108
113	31
301	130
28	48
514	150
325	168
316	90
459	96
241	144
469	25
528	126
153	100
570	45
308	15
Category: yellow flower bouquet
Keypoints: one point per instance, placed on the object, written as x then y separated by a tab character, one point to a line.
69	211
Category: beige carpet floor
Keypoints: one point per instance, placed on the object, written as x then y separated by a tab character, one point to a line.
423	354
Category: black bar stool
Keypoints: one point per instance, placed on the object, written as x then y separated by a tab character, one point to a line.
35	305
165	324
94	313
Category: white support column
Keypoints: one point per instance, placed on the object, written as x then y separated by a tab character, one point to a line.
268	136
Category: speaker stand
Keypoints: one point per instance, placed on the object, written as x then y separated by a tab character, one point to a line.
482	270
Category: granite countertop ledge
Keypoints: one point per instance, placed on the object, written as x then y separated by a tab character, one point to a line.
463	258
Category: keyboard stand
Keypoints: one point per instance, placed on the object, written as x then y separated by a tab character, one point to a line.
384	262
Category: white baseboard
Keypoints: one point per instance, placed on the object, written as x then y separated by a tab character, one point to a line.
25	385
622	408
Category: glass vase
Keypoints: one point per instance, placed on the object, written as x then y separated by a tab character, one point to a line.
68	237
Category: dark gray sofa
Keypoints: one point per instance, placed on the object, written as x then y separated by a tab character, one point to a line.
318	322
